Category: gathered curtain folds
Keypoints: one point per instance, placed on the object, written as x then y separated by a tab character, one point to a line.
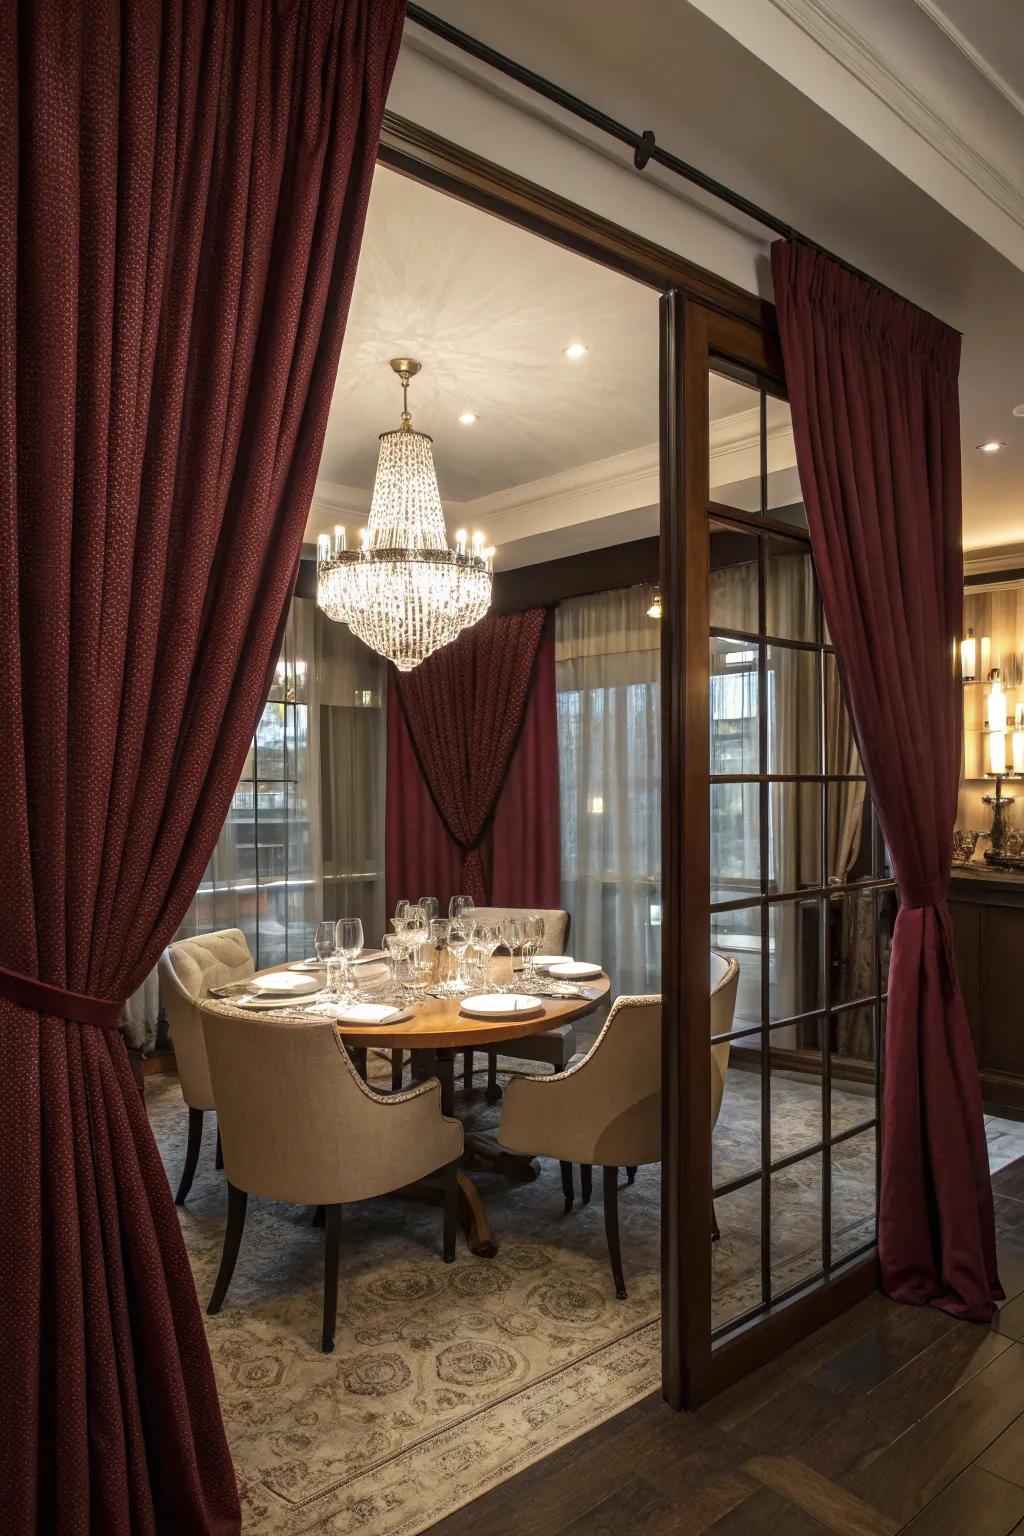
463	709
608	680
873	388
516	858
184	189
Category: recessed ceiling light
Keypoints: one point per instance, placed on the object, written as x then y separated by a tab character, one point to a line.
992	447
1018	410
467	418
575	350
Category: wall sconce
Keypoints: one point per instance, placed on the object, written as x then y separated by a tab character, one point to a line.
969	658
595	805
996	702
654	611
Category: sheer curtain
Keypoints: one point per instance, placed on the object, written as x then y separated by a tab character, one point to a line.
352	691
265	873
607	678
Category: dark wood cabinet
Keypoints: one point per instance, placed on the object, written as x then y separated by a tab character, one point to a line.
987	912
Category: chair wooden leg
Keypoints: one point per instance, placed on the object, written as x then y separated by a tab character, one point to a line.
332	1247
237	1201
218	1156
630	1175
320	1216
467	1070
586	1182
195	1138
567	1185
611	1228
397	1070
492	1093
358	1055
451	1210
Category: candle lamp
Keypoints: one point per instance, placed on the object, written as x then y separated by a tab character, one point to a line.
998	771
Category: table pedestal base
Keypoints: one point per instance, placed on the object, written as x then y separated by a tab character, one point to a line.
472	1215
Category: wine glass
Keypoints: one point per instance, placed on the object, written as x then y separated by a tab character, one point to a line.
401	913
348	934
461	931
512	938
396	948
430	907
439	929
324	941
533	938
487	939
460	904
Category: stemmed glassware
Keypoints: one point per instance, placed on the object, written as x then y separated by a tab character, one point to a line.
461	933
512	939
324	941
533	938
486	940
460	904
348	935
430	907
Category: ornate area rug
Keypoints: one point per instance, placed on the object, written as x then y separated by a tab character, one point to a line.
447	1379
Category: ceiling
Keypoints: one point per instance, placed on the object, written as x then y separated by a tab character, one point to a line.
564	455
878	129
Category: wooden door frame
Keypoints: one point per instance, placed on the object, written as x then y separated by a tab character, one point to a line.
699	311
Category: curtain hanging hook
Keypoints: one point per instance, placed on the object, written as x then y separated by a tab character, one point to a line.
644	149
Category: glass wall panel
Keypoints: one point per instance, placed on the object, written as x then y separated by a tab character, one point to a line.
790	591
794	837
793	710
735	720
736	1268
854	1183
737	935
734	581
796	1200
795	979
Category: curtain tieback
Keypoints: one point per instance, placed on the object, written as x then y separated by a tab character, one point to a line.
28	992
925	895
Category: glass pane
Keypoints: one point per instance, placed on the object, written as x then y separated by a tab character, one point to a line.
796	1223
853	1194
853	1064
270	743
848	832
794	711
888	906
841	755
790	595
852	933
785	501
734	421
796	1073
733	580
735	841
794	837
733	707
737	935
736	1140
736	1256
794	958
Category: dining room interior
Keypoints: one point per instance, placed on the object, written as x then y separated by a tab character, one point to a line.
448	829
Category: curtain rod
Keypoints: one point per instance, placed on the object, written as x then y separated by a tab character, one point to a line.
643	145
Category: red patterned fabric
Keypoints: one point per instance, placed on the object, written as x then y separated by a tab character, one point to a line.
873	385
519	852
182	194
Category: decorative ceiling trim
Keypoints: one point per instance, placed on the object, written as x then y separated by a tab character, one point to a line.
981	64
834	34
993	557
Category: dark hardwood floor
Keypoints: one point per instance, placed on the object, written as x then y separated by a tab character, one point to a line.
891	1419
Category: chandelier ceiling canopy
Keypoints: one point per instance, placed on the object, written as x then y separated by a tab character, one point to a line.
404	592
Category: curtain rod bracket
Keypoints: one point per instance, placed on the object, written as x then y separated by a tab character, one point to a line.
644	149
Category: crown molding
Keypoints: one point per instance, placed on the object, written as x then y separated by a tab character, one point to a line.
939	18
821	22
993	557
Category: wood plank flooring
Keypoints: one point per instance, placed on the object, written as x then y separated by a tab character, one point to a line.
891	1419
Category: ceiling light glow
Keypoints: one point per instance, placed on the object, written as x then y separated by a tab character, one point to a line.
467	418
991	447
575	350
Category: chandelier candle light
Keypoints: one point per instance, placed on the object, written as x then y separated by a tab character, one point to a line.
404	592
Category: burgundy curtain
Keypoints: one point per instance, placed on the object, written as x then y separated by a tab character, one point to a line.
183	190
518	852
873	386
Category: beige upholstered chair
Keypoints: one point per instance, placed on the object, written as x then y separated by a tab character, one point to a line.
606	1107
188	970
555	1046
299	1124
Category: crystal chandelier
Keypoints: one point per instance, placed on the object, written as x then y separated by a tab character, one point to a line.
403	591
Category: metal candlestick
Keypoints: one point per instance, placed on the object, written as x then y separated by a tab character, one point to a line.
998	802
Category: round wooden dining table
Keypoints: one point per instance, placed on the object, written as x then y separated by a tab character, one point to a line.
435	1031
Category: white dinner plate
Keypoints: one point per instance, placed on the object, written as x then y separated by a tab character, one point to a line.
307	966
542	962
284	984
573	970
369	955
265	1004
501	1005
370	1013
